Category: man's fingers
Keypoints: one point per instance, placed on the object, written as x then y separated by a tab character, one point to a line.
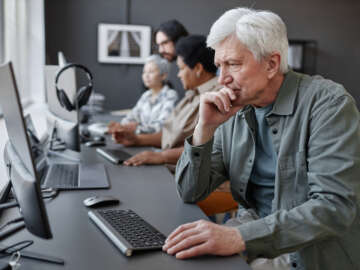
214	99
194	251
180	229
225	99
220	99
180	237
187	243
230	93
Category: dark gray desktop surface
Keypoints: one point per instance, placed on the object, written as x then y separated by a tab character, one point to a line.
149	191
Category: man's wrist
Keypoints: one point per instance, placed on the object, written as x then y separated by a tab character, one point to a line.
202	134
242	246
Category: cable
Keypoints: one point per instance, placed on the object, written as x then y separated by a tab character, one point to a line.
15	220
12	229
8	250
47	193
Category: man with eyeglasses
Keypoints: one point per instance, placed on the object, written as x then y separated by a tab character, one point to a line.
166	36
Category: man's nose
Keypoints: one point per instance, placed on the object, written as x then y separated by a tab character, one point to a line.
224	77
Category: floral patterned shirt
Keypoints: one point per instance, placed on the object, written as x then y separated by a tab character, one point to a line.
150	113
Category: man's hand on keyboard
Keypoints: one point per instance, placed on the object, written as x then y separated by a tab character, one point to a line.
203	237
146	157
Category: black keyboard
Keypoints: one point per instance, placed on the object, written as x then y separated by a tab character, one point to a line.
127	230
62	176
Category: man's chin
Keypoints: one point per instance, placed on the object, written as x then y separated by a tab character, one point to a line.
168	57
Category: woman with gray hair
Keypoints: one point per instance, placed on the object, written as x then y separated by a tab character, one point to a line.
155	105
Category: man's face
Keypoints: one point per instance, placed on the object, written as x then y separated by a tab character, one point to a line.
186	74
166	46
241	72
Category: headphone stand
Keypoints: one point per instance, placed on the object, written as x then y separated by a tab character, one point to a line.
53	151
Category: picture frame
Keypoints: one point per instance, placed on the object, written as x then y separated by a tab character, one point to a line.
122	43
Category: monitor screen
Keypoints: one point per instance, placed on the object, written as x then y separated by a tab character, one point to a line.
18	155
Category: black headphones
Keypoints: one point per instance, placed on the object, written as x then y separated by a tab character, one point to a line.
82	95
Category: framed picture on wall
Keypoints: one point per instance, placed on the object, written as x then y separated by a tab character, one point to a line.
121	43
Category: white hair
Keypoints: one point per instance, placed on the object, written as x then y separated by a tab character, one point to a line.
261	32
161	63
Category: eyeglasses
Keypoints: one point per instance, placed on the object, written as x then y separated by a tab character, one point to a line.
162	43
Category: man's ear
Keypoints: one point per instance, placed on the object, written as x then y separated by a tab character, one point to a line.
273	64
199	69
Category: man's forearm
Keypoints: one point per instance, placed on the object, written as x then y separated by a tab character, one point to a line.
171	156
202	134
153	139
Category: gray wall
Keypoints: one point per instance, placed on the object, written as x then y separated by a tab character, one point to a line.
71	26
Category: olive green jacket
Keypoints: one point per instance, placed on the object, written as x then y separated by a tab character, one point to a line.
315	131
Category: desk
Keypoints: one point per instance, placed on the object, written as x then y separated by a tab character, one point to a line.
149	191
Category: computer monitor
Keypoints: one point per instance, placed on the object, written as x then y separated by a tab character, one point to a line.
67	123
18	158
4	192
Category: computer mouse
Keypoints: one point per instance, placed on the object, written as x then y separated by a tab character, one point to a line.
95	143
101	200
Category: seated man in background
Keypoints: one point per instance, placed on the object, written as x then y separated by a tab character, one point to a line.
166	37
155	105
290	145
197	73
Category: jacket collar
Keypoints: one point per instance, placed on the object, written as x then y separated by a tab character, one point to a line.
285	101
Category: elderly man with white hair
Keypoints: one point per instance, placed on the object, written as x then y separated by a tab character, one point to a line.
288	142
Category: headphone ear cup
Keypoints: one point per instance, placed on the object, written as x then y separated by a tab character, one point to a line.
83	95
64	100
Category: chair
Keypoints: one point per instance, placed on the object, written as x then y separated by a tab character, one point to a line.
219	201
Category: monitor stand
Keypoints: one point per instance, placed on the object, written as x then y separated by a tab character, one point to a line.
20	224
57	148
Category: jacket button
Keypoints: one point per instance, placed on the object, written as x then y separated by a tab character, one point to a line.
294	264
196	154
274	131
